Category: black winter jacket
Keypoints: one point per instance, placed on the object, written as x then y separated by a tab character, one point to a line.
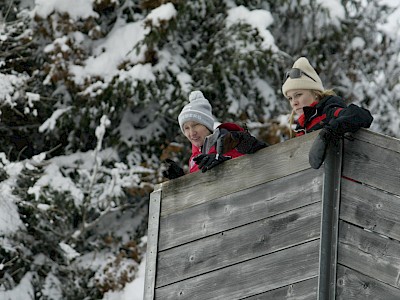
333	113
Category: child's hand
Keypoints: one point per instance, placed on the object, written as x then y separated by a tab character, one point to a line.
209	161
173	170
317	152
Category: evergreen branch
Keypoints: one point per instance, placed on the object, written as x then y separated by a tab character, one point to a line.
16	50
20	153
87	226
8	10
46	229
19	127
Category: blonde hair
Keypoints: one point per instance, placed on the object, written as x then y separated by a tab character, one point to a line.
318	96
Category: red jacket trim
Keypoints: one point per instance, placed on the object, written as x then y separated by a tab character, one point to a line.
316	121
336	113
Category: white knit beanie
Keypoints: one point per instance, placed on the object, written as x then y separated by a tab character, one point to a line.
198	110
304	82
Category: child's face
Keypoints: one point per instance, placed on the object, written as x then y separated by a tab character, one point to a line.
195	133
300	98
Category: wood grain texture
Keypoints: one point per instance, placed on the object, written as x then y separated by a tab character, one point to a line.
372	164
378	139
352	285
369	253
237	174
248	228
152	243
237	209
248	278
303	290
370	208
239	244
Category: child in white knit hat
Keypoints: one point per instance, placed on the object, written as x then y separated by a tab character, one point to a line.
317	108
209	147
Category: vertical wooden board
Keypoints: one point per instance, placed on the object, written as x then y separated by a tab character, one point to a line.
303	290
239	244
330	222
237	174
352	285
369	253
373	165
152	243
240	208
249	277
370	208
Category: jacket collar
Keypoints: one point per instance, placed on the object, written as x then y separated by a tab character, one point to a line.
308	113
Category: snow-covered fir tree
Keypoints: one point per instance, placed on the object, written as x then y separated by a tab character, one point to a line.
90	91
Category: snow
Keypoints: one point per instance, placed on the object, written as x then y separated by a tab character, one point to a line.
9	216
9	85
392	24
61	42
24	290
75	8
11	223
69	252
258	19
119	47
101	130
358	43
140	71
133	290
50	123
335	8
54	178
110	52
162	13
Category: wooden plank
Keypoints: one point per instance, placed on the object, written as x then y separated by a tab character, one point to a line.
237	174
352	285
369	253
240	208
248	278
239	244
152	243
378	139
303	290
370	208
373	165
329	223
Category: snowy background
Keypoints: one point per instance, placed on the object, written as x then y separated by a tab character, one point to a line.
89	95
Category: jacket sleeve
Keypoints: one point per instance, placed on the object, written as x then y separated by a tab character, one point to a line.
349	119
239	140
246	143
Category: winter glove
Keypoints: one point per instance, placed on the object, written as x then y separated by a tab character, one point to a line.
209	161
317	152
246	143
173	170
351	119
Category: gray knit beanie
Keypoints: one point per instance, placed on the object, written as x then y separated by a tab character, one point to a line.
304	82
198	110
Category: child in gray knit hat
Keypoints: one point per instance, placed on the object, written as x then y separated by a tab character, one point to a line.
210	147
198	110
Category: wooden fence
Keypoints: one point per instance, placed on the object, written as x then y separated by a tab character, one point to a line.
267	226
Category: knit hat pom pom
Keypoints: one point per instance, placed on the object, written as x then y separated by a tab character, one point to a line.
196	95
